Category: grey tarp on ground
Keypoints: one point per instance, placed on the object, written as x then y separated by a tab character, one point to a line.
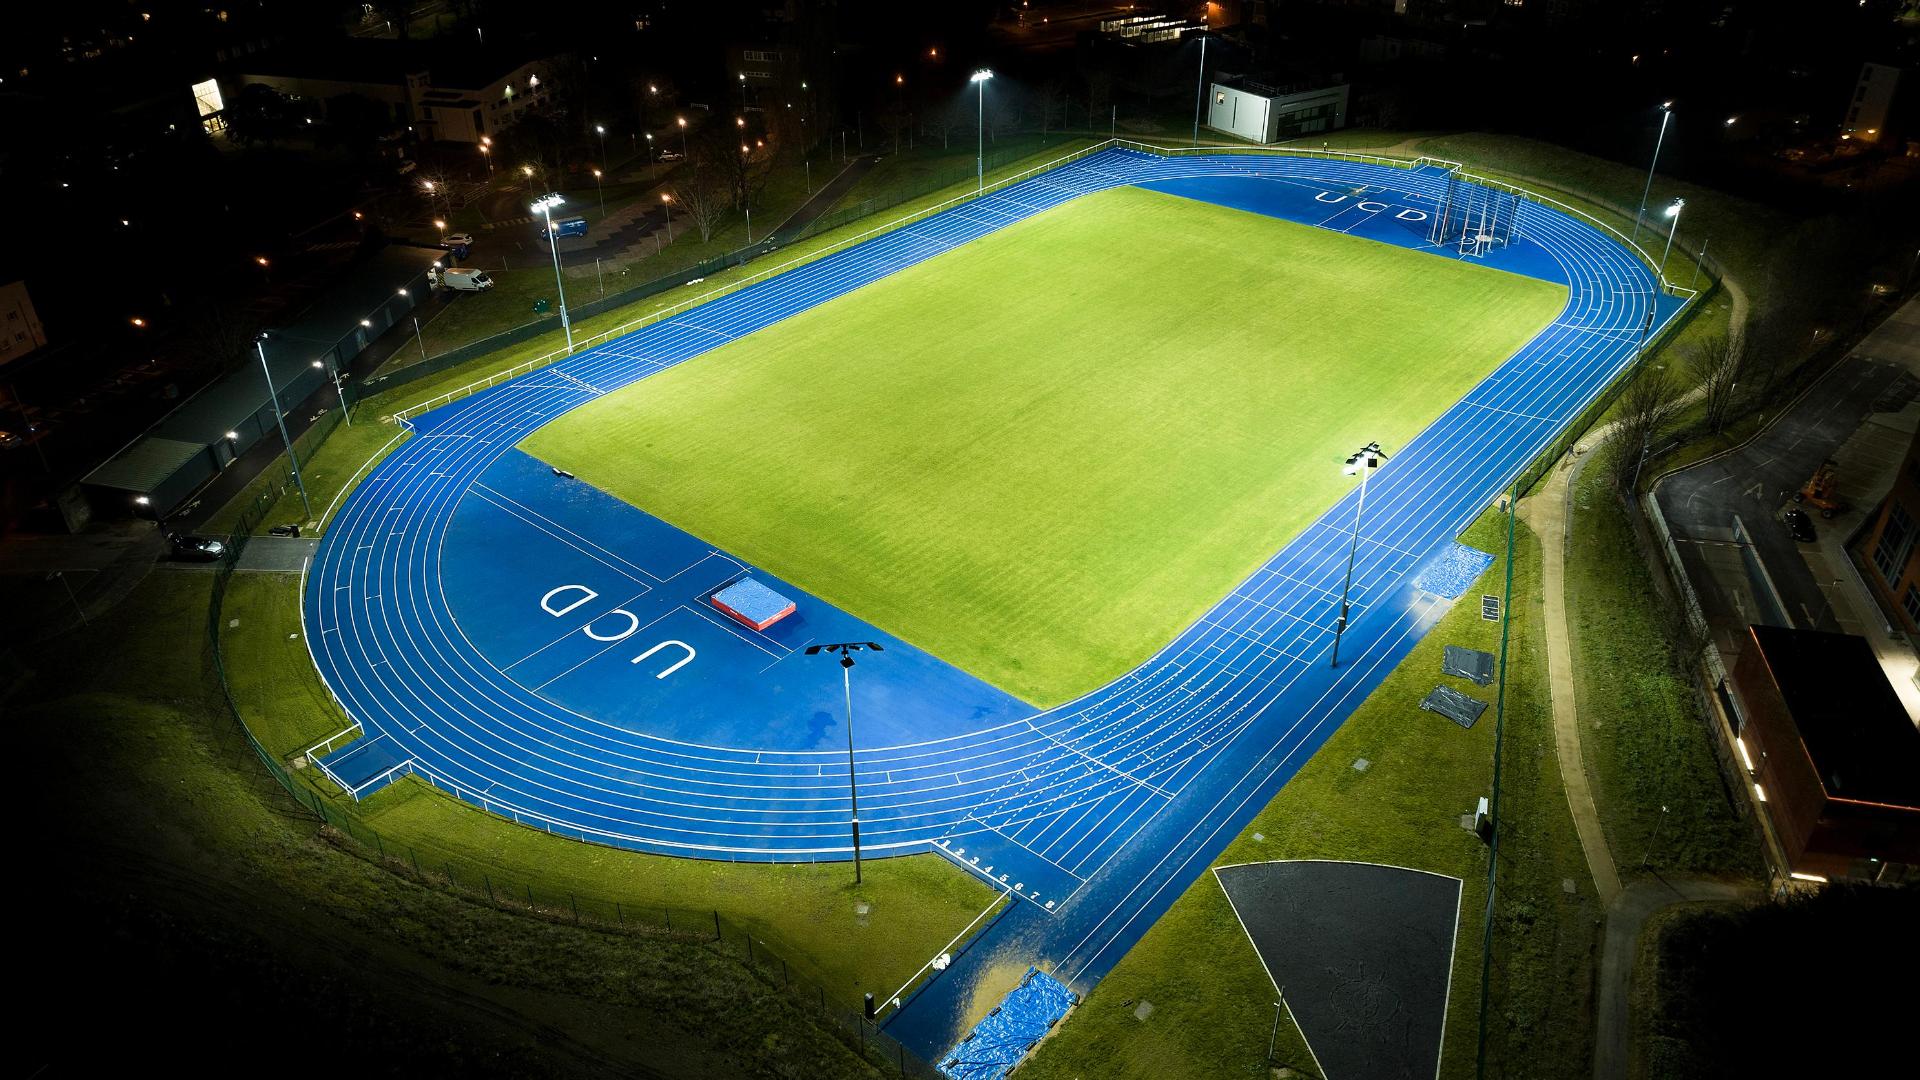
1468	664
1454	705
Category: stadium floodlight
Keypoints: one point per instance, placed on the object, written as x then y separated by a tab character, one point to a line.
279	418
845	650
1361	462
1673	212
1666	114
979	80
544	205
1200	89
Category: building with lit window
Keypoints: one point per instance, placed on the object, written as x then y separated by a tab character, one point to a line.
443	93
1872	103
20	330
1262	113
1886	549
1832	756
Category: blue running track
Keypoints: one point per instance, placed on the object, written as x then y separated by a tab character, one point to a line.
545	652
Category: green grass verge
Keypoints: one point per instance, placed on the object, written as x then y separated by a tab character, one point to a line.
809	912
1645	742
1212	1016
329	466
1135	457
164	811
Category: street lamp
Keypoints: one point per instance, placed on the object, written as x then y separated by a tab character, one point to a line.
683	137
979	80
486	152
845	651
649	147
1673	212
603	192
1362	461
1666	114
1200	89
666	201
260	345
743	89
338	381
544	206
601	130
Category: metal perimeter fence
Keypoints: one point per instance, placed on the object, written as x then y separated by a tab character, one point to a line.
439	868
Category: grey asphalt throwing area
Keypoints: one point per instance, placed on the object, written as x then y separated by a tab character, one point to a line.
1362	954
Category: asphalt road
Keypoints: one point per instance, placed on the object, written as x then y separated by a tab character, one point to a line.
1757	481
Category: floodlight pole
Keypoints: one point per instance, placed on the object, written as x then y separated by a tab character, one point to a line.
1674	213
979	81
545	206
1666	114
260	346
1200	89
1364	460
845	651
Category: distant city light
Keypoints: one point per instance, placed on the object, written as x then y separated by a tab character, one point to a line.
138	322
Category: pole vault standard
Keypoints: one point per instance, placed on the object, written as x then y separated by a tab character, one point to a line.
845	651
1363	461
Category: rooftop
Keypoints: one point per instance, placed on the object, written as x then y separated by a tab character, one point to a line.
462	66
1849	718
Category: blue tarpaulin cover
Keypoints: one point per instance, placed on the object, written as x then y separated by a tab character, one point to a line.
996	1044
1454	571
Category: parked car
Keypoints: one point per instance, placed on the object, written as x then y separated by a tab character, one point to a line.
456	240
667	157
1799	524
191	548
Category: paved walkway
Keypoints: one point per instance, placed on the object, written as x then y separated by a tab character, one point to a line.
1548	512
1626	918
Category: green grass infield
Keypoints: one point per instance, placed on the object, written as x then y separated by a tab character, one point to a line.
1043	454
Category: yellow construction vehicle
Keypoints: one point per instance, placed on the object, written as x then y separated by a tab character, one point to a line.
1822	490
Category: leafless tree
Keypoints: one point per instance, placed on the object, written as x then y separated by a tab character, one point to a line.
1716	363
702	200
1647	406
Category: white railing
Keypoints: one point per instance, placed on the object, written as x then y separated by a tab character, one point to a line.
326	745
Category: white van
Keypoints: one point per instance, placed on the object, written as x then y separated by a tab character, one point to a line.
464	279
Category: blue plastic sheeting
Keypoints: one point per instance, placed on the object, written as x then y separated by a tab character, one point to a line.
752	600
1454	572
996	1044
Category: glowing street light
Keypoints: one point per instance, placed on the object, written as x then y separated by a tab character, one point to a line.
683	137
138	323
601	130
1362	461
544	205
279	418
1673	212
979	80
602	190
1666	114
649	147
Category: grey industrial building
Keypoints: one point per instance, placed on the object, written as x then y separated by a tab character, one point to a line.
157	472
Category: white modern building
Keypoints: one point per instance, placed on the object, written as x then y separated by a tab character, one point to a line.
1866	116
1260	113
